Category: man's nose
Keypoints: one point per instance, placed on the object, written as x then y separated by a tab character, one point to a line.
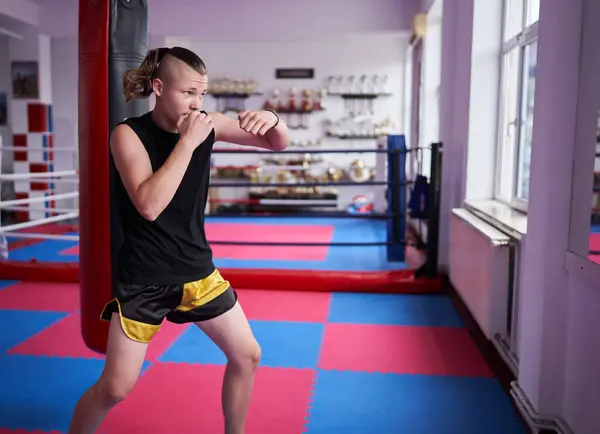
197	104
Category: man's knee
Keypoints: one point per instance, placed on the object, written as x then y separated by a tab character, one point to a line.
248	358
112	390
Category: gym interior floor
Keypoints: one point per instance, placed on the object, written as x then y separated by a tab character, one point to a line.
332	362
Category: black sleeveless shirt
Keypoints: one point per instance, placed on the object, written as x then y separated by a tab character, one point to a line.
172	249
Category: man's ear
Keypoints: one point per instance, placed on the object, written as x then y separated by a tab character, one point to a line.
157	86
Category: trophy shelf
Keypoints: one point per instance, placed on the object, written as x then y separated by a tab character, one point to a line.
346	95
356	136
232	95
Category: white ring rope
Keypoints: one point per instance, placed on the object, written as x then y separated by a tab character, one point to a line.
71	177
57	174
52	181
7	203
38	149
38	222
44	209
34	236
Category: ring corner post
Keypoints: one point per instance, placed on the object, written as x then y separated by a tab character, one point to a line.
433	218
396	225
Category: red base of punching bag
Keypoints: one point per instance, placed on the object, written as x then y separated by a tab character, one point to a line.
94	192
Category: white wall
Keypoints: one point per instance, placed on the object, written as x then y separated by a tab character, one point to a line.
64	56
457	37
425	5
26	11
431	76
232	20
424	118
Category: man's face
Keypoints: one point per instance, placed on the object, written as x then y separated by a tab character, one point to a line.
181	91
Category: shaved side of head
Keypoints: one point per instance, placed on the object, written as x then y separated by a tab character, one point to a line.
170	68
166	64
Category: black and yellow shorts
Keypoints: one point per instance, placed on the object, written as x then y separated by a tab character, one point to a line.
142	308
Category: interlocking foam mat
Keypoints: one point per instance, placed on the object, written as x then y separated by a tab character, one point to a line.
332	364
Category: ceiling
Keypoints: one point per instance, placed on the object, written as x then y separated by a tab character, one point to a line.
234	20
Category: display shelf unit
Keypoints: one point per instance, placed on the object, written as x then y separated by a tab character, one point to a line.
279	183
239	95
292	202
356	136
231	101
304	169
358	95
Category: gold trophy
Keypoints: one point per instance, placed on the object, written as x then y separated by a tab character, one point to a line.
305	108
359	172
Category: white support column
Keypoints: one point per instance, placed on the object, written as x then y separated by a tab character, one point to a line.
545	280
457	25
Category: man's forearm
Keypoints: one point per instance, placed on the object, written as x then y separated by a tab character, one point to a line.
278	137
157	191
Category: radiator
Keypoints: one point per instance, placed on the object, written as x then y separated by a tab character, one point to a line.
479	270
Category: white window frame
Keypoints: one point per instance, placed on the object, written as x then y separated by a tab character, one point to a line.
520	41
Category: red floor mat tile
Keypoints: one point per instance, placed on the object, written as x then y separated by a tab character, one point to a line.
63	339
71	251
181	398
268	305
401	350
263	233
269	233
58	297
595	242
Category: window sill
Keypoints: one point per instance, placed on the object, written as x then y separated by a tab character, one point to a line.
500	215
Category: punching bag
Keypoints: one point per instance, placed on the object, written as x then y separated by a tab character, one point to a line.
128	45
104	27
94	214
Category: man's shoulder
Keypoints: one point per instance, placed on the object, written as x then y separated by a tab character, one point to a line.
138	124
135	120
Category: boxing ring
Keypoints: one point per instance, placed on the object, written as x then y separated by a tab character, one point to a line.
267	250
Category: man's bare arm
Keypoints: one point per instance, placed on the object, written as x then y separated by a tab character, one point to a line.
229	130
150	192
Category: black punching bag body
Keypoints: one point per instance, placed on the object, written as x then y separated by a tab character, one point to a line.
127	47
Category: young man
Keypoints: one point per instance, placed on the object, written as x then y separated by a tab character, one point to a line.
166	267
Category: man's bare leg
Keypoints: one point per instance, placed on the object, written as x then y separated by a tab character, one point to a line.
124	360
232	334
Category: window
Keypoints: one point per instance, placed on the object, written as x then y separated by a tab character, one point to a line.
515	120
